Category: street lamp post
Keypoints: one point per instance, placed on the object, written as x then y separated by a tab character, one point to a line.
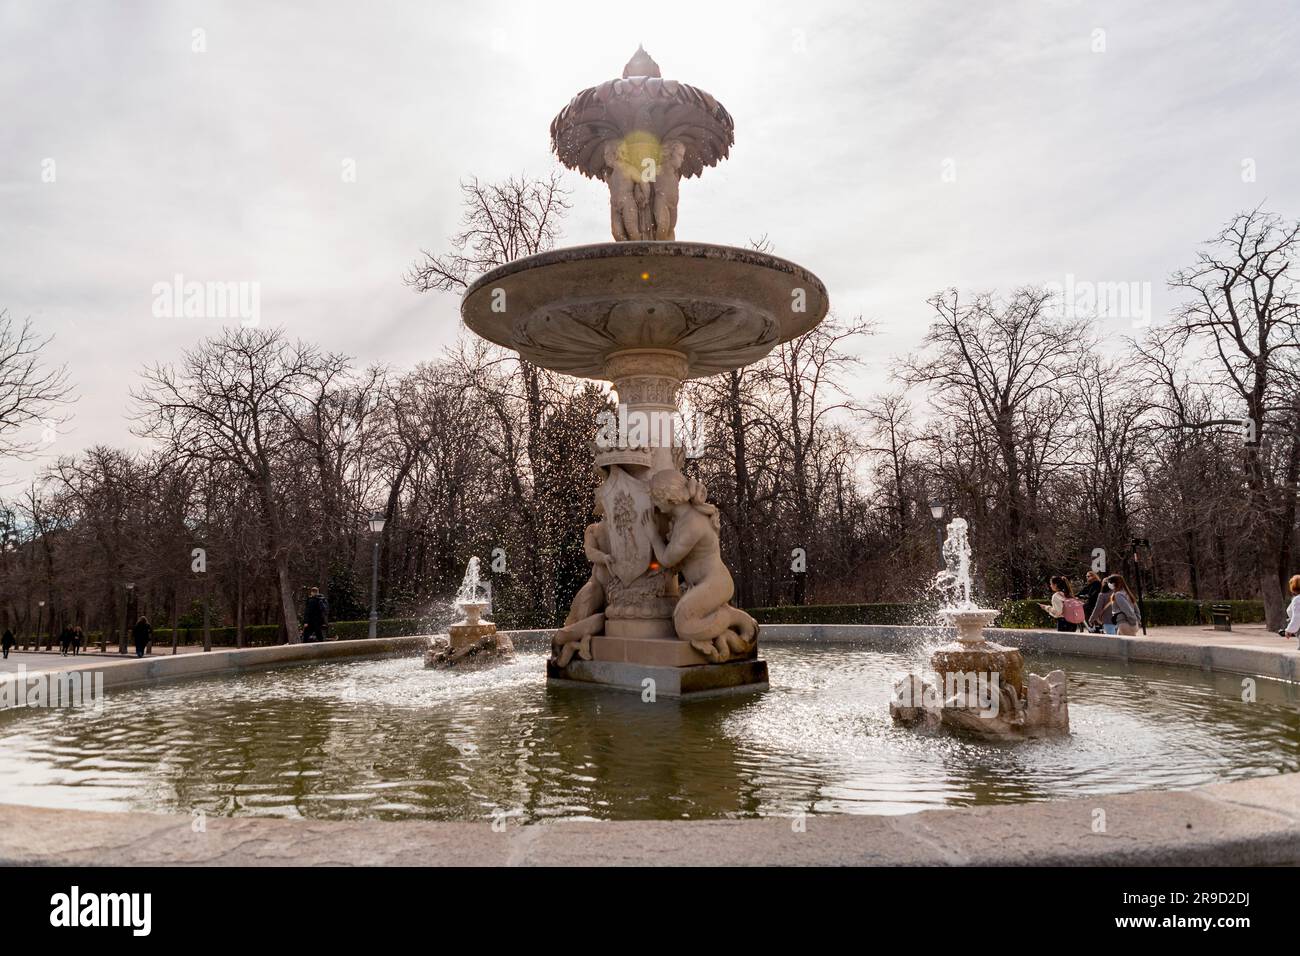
1136	546
937	512
376	528
40	613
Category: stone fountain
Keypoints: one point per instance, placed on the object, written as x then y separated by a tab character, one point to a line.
646	313
471	640
978	688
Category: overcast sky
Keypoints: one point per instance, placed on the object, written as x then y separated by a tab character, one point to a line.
892	148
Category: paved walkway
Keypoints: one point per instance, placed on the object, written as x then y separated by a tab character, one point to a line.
1242	635
53	660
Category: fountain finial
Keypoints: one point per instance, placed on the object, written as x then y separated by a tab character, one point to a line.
641	64
641	135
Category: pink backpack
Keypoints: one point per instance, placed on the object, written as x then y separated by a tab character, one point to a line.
1072	610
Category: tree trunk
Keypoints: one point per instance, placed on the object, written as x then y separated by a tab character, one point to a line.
745	555
286	597
175	616
1286	525
239	606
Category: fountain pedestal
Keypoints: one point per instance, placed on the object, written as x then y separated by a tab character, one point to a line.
646	313
980	688
472	629
971	653
473	640
685	682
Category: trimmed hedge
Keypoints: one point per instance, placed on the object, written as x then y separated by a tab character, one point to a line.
1158	612
1162	612
266	635
845	614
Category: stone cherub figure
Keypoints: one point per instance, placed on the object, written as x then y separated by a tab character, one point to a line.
587	612
643	202
624	214
667	179
703	615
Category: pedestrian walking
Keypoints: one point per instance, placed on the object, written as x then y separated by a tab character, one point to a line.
7	642
1065	607
1292	612
142	632
316	614
1089	594
1117	608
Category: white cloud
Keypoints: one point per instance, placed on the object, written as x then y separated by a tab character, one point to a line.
225	165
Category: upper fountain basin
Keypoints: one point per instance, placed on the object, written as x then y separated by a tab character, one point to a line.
719	306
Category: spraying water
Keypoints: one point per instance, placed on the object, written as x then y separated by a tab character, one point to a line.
954	580
473	593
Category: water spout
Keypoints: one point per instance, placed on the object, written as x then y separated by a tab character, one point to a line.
954	581
474	597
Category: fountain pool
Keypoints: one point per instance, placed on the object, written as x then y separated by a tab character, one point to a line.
381	739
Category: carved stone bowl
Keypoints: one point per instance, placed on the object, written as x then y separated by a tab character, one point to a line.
570	309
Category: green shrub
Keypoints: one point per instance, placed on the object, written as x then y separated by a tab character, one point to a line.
1171	612
1024	614
265	635
845	614
1158	612
392	627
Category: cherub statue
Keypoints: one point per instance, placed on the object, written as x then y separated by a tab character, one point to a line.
703	615
623	213
667	179
587	612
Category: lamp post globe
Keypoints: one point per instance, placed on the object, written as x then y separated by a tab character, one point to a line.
376	528
937	512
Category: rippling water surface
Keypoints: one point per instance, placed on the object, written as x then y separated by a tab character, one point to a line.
387	739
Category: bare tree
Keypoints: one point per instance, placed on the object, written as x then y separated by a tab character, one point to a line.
1242	310
999	359
234	401
804	375
502	222
30	391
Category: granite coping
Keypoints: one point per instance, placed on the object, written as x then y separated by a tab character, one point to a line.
1250	822
1185	649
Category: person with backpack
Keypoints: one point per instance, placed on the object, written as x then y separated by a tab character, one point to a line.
1089	594
1065	607
1117	609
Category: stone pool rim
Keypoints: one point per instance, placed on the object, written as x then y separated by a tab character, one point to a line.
1247	822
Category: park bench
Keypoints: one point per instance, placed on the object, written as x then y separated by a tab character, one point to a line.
1221	616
